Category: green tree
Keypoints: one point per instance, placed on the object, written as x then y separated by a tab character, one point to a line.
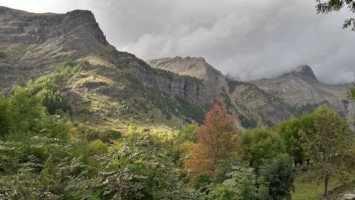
351	93
188	134
52	98
276	178
239	183
259	145
5	120
330	146
289	131
26	111
326	6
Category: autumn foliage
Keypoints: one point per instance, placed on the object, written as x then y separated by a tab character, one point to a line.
216	140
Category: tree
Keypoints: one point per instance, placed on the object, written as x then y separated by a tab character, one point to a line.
335	5
52	98
188	134
329	145
216	140
239	182
276	178
289	131
259	145
5	120
351	93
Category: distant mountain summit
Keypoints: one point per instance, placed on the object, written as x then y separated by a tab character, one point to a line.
301	88
303	71
191	66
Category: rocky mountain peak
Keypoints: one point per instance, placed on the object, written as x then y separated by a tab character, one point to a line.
191	66
303	71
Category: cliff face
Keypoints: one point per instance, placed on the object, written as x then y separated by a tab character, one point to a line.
245	100
35	43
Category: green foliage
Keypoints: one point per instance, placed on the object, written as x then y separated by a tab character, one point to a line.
2	55
109	135
330	146
276	178
201	181
232	84
25	111
247	122
5	120
190	110
298	111
195	80
259	145
188	134
351	94
290	133
326	6
239	182
52	98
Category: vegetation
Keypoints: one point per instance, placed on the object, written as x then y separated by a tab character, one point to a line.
351	93
335	5
2	55
260	145
46	155
247	122
216	140
329	146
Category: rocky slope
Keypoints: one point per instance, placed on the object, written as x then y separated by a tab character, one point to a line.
301	87
116	86
267	100
249	104
34	45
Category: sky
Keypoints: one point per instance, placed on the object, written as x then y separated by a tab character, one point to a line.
244	39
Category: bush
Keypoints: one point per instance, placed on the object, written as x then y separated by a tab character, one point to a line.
109	135
277	177
239	182
2	55
201	181
260	145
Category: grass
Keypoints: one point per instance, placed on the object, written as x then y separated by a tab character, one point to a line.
311	190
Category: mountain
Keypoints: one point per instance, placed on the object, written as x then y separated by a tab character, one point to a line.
250	105
107	88
291	93
109	85
301	87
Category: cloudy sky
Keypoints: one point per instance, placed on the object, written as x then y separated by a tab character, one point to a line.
246	39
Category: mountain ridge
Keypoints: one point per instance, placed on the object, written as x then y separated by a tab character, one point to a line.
112	86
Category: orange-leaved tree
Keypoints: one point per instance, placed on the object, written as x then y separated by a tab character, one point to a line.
216	140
